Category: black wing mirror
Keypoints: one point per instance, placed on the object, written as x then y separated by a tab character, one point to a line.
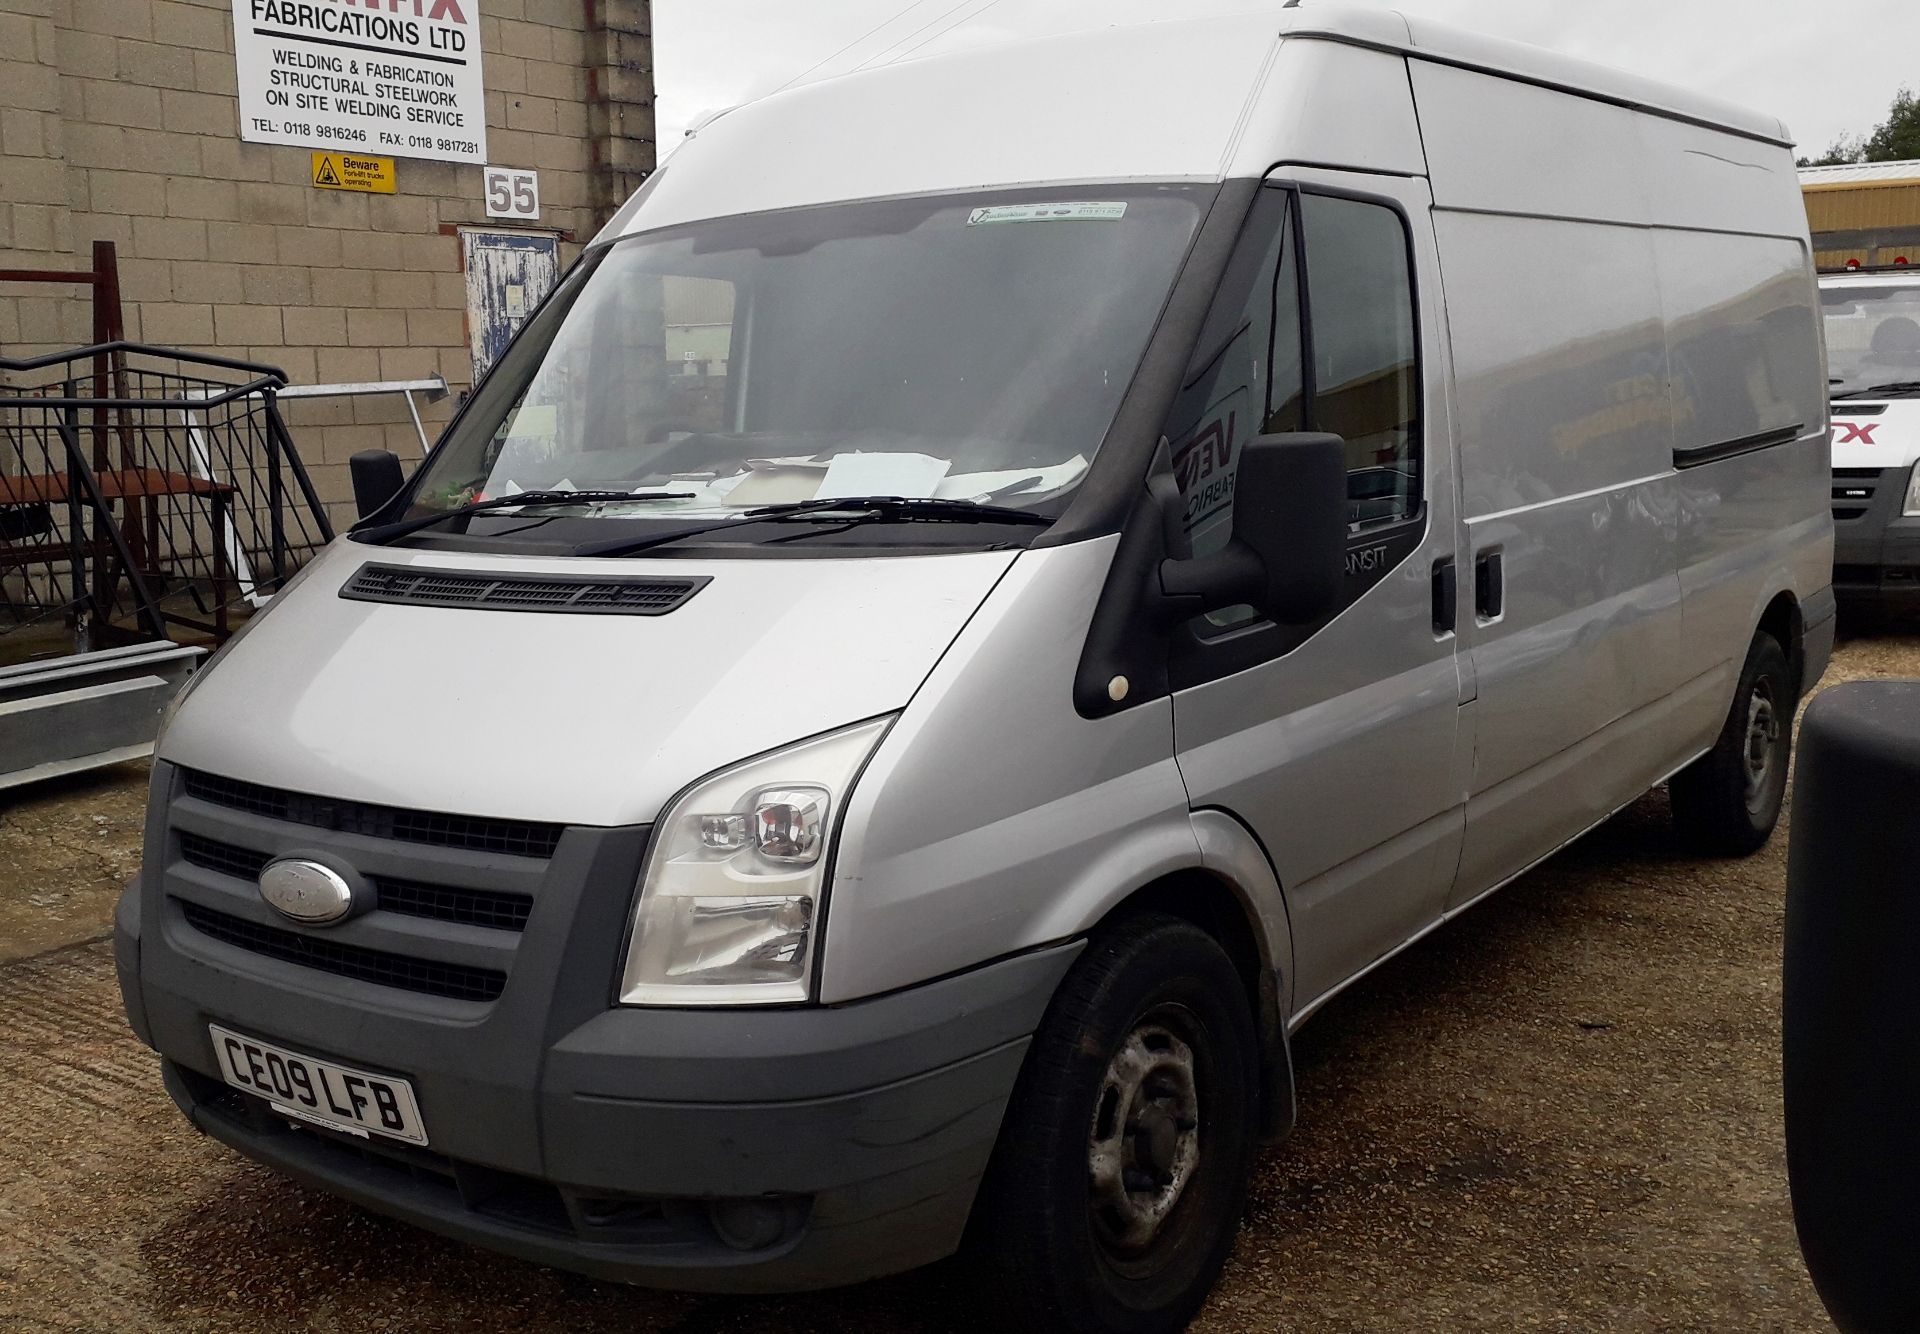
377	478
1288	555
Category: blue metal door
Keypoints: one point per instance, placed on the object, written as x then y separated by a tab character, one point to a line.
508	274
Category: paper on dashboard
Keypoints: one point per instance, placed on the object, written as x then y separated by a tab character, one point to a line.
882	475
1006	483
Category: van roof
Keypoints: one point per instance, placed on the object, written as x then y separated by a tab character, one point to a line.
1457	46
1391	30
1163	100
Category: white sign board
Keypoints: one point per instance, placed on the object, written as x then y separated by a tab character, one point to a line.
395	77
512	193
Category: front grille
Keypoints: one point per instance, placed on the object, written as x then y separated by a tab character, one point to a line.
606	595
211	855
427	976
1853	492
475	907
514	838
443	903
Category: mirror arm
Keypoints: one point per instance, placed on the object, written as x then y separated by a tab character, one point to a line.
1188	588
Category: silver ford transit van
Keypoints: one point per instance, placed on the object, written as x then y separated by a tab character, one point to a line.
997	587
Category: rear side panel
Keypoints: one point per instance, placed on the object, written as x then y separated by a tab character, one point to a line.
1746	366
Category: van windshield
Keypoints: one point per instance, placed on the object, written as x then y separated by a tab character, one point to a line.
1873	336
968	348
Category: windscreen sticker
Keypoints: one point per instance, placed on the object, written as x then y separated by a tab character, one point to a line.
1084	212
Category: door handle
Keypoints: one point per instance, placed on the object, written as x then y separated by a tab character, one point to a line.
1489	585
1446	596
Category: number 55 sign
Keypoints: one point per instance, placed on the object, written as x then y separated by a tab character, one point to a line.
513	194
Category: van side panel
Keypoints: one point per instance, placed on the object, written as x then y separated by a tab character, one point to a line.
1498	146
1566	443
1745	344
1708	180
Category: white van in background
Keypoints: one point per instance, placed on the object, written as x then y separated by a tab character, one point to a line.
1873	366
1160	520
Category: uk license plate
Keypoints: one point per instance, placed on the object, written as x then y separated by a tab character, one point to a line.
308	1089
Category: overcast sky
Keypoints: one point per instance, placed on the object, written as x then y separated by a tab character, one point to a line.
1827	67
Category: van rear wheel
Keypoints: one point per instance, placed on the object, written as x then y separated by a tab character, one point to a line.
1728	801
1121	1170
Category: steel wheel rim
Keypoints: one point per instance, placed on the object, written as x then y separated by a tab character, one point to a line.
1762	744
1143	1146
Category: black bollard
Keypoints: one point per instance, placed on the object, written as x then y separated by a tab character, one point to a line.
1851	1033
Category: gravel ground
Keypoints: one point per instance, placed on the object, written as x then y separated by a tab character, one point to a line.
1560	1113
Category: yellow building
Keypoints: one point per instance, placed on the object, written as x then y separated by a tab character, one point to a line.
1868	213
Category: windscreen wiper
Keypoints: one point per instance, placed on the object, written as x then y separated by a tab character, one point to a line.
390	532
1897	387
843	509
907	509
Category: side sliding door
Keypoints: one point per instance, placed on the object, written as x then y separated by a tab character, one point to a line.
1565	428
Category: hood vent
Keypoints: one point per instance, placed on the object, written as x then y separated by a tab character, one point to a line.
604	595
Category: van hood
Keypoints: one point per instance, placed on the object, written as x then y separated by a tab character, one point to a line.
565	717
1876	433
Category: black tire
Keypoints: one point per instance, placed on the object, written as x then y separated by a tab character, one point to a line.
1057	1226
1728	801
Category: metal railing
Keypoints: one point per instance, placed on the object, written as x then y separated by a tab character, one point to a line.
137	483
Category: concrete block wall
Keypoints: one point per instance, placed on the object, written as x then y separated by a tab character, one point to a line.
119	120
36	229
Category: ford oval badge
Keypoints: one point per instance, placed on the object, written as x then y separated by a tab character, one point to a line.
306	891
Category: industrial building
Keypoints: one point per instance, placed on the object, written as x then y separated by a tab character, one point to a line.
1866	214
307	185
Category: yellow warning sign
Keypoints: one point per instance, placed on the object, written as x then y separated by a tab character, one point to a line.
350	171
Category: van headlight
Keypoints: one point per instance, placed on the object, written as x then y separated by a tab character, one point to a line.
1911	508
735	877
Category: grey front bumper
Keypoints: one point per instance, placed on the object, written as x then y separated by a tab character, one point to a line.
746	1150
642	1131
1876	550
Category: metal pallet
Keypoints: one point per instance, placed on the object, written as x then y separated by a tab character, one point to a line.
87	709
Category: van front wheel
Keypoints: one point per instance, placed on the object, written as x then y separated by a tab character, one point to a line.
1121	1171
1728	801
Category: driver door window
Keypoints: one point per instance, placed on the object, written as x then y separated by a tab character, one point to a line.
1245	379
1313	330
1365	373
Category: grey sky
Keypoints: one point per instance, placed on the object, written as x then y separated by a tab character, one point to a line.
1827	68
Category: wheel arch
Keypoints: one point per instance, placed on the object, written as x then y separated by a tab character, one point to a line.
1233	895
1782	618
